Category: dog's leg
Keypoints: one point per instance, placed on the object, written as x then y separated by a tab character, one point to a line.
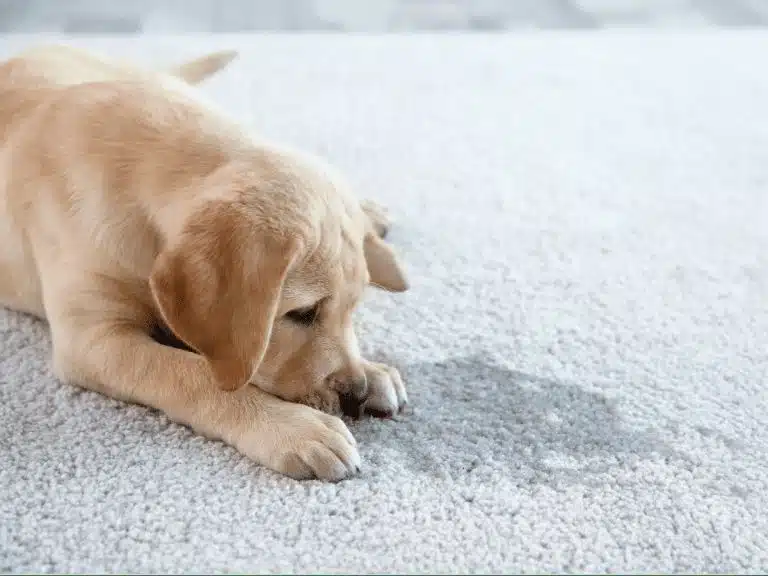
100	342
386	391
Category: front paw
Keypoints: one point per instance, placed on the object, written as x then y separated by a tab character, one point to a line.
302	443
386	391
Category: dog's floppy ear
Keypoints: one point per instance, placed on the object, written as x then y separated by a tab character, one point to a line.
218	288
383	266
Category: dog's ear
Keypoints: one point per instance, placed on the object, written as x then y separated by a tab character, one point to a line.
218	288
384	267
199	69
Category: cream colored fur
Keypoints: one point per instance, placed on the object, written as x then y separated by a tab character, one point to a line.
127	203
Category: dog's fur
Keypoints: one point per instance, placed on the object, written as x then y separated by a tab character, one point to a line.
126	202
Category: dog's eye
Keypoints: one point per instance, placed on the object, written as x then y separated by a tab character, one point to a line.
303	316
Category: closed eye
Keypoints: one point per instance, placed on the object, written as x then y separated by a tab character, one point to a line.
304	316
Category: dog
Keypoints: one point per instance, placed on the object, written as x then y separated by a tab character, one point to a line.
130	205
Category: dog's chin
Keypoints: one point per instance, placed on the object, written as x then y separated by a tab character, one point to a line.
320	397
325	401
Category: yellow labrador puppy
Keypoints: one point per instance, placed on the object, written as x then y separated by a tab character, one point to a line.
127	204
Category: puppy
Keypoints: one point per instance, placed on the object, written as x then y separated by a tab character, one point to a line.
128	203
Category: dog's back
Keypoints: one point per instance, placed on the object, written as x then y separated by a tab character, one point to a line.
30	82
66	65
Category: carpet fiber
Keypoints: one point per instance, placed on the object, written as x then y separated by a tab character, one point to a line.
584	221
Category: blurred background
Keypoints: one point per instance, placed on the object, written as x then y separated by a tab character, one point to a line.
212	16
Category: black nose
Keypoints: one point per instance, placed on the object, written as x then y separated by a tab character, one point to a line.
351	405
353	396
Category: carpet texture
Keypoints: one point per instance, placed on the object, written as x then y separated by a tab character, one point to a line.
584	221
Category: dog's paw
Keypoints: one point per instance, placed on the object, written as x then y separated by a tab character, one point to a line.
377	215
386	391
302	443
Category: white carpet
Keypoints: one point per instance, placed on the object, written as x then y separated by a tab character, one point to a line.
584	220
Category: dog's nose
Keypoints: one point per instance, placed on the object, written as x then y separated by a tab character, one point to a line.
351	405
352	387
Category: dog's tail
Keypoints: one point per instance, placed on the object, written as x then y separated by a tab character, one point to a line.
199	69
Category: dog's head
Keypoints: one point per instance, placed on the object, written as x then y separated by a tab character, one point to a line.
264	274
